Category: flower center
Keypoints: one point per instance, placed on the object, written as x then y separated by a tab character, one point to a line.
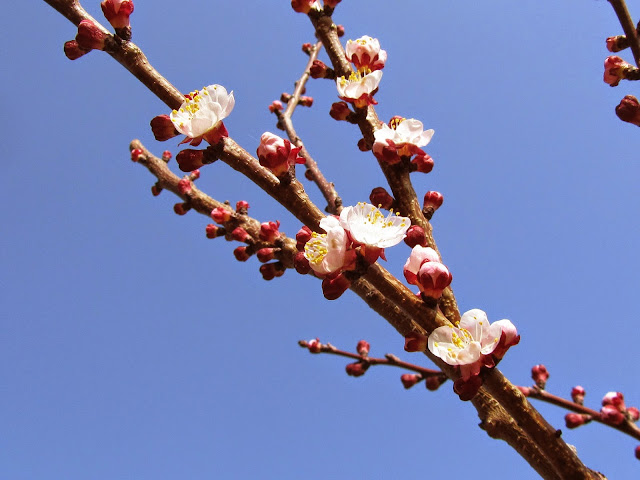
192	102
316	249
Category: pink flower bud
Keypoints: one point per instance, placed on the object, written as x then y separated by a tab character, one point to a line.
305	101
356	369
574	420
363	348
423	163
415	236
73	51
301	264
633	413
467	388
220	215
617	43
117	12
162	128
433	278
265	254
615	399
181	208
269	231
302	237
577	394
307	48
166	155
275	105
410	379
242	207
629	110
135	154
271	270
318	69
304	6
508	338
184	186
190	159
276	154
155	190
239	234
333	288
340	111
241	254
90	36
415	342
611	415
614	70
433	382
212	230
381	198
433	200
540	375
314	345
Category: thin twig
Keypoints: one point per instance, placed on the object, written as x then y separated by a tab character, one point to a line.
629	28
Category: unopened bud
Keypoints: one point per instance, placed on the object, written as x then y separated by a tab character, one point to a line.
611	415
422	163
410	379
301	264
318	69
577	394
117	12
363	348
190	159
302	237
73	51
242	207
307	48
340	111
265	254
380	197
271	270
333	288
433	382
415	236
163	128
241	254
615	399
213	231
303	6
362	145
637	451
617	43
156	189
240	234
276	105
285	97
220	215
184	186
166	155
415	342
629	110
269	231
574	420
90	36
633	414
340	30
135	154
314	345
194	175
432	202
181	208
305	101
540	375
356	369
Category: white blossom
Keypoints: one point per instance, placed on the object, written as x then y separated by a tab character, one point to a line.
203	110
369	226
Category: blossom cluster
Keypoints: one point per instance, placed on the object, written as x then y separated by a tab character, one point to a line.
361	231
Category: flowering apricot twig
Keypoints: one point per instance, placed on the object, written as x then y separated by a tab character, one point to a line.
614	413
334	202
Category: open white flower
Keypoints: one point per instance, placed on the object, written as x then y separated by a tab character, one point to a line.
202	111
369	226
465	344
358	88
407	131
326	251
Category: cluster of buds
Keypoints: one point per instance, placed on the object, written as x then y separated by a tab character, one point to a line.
93	37
615	412
198	118
471	345
360	232
277	155
402	139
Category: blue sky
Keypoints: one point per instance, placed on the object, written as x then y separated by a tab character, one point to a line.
134	348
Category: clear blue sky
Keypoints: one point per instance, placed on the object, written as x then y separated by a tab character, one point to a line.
131	347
